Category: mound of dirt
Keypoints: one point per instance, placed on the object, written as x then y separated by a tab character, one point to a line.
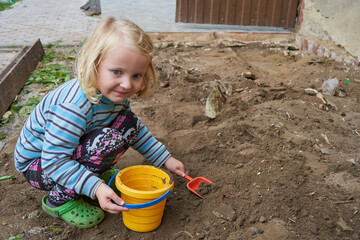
284	161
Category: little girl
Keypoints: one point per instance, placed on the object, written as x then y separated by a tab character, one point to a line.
80	130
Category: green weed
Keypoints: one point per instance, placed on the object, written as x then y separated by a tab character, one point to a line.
7	5
6	120
28	106
2	136
50	75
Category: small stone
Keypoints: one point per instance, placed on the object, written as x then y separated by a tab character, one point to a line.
262	219
325	151
225	212
249	75
252	219
343	225
341	94
330	225
311	91
214	102
239	90
164	84
312	228
240	165
252	230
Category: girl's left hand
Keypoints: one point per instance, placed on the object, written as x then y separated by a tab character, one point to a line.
175	166
106	196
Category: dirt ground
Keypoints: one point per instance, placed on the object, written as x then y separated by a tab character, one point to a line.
284	162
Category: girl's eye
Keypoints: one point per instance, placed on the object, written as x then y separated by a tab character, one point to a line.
116	72
137	76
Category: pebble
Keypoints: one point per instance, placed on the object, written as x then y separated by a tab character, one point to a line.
240	165
248	75
225	212
313	228
311	91
325	151
253	230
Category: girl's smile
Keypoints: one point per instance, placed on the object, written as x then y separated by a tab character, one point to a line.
121	72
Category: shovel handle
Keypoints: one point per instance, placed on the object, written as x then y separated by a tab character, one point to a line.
188	178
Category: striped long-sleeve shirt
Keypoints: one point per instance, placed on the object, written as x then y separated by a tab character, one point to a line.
53	130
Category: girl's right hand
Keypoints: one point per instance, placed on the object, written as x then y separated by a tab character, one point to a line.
106	196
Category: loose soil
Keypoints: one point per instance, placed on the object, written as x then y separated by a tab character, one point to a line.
284	163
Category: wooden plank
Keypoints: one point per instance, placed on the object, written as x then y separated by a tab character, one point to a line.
291	17
261	10
184	11
178	11
14	76
269	17
222	11
215	7
207	12
199	11
181	11
230	12
275	13
254	12
238	12
191	11
246	14
284	11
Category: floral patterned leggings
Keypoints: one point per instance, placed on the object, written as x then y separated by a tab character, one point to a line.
98	151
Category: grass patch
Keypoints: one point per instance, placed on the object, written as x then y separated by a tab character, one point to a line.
50	75
2	136
7	5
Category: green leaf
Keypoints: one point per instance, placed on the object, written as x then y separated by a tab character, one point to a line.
16	108
2	136
7	178
15	238
67	78
56	229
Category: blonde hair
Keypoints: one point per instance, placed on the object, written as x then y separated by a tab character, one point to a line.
108	34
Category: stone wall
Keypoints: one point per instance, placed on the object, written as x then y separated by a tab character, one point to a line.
330	28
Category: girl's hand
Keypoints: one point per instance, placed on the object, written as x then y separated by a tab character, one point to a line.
105	194
175	166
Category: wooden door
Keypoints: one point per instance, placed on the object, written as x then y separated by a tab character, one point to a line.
270	13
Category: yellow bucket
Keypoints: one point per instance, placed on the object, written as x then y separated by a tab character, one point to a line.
144	190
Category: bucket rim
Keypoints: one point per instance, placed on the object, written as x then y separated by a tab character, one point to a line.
139	193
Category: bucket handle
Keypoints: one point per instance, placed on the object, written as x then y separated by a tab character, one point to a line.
141	205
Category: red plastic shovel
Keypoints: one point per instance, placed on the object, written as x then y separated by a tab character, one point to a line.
194	183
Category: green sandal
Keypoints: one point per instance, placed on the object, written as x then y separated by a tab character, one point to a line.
108	175
78	213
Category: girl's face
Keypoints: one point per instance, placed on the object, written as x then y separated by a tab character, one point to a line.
120	73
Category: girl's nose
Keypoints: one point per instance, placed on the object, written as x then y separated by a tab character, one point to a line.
125	82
